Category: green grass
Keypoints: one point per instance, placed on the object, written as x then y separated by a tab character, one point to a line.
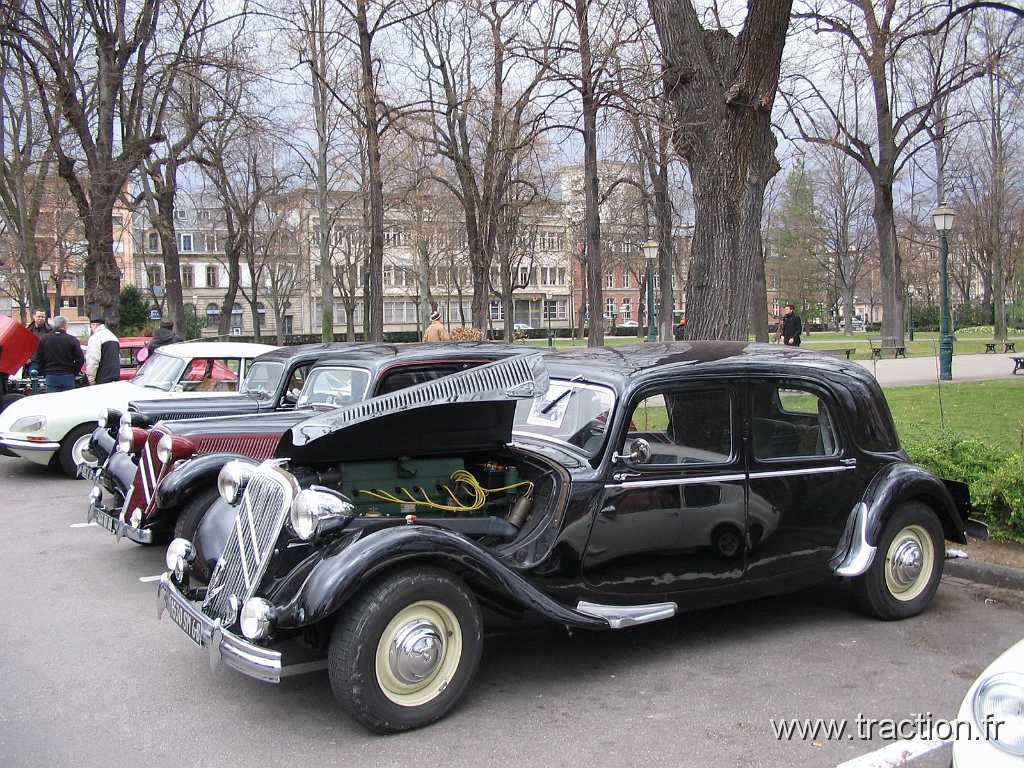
923	345
992	411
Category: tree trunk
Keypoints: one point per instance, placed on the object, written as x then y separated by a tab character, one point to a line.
375	264
890	264
102	275
759	300
666	249
721	88
163	195
592	211
224	322
423	281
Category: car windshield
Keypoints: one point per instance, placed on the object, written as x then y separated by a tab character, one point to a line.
262	380
159	372
334	387
572	413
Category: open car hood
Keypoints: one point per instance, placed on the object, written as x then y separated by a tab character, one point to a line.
17	345
467	411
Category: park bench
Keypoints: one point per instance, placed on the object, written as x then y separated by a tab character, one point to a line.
1018	363
887	344
1008	346
840	353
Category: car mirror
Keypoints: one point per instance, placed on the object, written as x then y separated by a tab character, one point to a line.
291	397
640	452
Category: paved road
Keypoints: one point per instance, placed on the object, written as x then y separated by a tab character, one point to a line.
924	370
88	677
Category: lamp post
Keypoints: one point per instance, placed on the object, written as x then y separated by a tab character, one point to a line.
650	249
942	218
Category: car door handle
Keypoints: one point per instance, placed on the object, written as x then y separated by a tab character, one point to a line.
848	462
621	477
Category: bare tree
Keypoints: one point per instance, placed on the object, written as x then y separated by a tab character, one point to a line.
91	63
722	87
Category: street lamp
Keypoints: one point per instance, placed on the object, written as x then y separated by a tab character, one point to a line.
942	218
650	250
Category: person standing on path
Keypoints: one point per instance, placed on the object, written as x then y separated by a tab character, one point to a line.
436	330
164	335
103	355
59	357
40	328
791	327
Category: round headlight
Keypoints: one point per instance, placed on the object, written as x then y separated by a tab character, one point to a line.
310	507
232	479
179	553
165	449
125	438
29	424
999	711
255	618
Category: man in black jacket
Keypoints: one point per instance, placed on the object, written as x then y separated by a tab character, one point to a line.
60	357
164	335
40	328
791	326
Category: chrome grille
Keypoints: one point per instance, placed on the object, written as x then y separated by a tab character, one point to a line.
258	521
520	376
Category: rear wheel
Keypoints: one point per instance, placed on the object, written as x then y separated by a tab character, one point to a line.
74	449
192	513
905	574
403	653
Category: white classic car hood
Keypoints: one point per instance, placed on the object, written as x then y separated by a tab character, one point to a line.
66	410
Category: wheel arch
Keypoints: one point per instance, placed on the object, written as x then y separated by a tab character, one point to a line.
184	482
899	483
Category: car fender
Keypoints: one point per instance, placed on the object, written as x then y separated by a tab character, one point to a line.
193	475
891	486
334	580
119	473
102	444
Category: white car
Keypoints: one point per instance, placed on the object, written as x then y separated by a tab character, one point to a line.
522	327
628	324
40	427
994	706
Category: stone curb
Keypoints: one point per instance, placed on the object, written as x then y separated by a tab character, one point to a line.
1002	576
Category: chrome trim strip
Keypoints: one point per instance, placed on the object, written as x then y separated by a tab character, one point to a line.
725	478
860	554
619	616
248	658
27	445
118	527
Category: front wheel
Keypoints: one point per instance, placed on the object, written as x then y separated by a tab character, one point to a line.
74	449
905	574
403	653
191	514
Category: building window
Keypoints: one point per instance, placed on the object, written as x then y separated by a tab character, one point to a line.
551	241
287	325
236	318
627	308
497	310
204	215
609	280
211	243
625	278
154	242
179	214
775	306
212	315
395	237
212	276
609	308
188	276
185	243
154	277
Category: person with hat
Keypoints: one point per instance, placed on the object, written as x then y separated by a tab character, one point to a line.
59	357
436	330
103	355
164	335
40	328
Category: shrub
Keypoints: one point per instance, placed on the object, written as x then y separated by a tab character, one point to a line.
994	475
133	309
466	334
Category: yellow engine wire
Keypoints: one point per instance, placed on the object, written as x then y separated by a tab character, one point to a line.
461	477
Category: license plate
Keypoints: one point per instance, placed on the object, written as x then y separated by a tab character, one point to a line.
190	624
105	520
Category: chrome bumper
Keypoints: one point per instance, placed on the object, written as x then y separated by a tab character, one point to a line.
248	658
13	443
110	520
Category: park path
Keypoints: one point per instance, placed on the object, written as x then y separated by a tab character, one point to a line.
924	370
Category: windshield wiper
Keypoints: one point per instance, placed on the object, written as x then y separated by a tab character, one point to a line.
556	401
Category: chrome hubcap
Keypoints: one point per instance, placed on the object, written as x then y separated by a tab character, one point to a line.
906	562
80	452
416	651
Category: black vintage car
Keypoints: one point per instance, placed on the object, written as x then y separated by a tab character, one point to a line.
174	479
595	489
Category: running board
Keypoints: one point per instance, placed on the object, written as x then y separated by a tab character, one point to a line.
619	616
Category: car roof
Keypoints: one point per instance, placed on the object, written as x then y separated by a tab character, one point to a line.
189	349
374	355
619	365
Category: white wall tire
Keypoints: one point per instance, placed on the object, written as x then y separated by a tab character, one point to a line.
405	650
74	449
909	558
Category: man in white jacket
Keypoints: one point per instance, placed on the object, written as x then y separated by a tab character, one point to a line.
102	356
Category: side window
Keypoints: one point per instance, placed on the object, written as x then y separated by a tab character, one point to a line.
209	374
790	422
127	357
692	426
407	377
297	379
